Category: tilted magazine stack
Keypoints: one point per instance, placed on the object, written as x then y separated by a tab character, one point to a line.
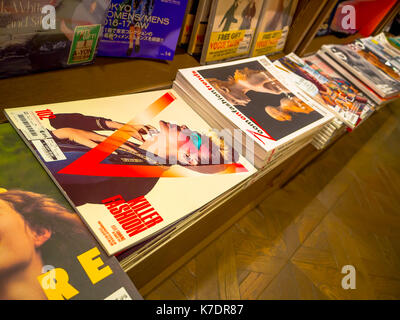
273	27
329	91
250	97
230	30
350	93
359	65
384	50
46	250
132	165
188	21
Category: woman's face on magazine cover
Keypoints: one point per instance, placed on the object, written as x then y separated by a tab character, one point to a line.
179	143
18	242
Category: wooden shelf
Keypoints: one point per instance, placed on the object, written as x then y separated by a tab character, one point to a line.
317	42
105	77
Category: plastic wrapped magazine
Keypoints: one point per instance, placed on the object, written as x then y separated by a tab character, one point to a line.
41	35
273	27
142	28
230	30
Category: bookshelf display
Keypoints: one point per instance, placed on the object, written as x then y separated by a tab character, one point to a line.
114	76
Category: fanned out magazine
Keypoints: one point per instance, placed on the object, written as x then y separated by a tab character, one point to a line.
230	30
41	35
327	88
349	76
146	29
273	27
380	46
366	67
46	250
252	97
131	165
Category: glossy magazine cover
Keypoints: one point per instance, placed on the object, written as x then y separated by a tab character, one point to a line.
386	55
131	165
327	89
142	28
40	35
46	251
273	27
247	92
230	30
365	67
374	56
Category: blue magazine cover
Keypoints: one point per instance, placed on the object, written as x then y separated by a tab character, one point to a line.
142	28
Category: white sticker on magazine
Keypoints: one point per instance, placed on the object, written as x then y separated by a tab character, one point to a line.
244	45
29	123
49	150
120	294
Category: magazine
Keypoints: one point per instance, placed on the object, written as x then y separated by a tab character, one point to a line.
365	67
251	95
199	27
41	35
273	27
372	52
327	88
188	21
382	48
145	29
131	165
345	73
230	30
395	41
46	250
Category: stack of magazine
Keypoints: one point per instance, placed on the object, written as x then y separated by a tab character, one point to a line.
141	168
256	104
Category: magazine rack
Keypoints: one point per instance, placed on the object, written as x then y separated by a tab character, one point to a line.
112	76
309	43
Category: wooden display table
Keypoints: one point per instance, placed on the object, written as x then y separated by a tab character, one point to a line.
110	77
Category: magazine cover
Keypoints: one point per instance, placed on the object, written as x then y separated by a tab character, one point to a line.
188	21
46	250
384	50
247	92
327	88
378	100
230	29
355	60
372	53
273	27
395	41
40	35
131	165
199	27
142	28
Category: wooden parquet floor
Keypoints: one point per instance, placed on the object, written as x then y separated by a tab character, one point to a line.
342	209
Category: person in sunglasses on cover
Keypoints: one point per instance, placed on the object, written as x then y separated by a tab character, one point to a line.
169	145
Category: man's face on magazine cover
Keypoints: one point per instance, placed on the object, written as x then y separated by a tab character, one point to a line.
17	241
179	144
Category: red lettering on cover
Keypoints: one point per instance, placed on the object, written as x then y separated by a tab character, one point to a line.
257	134
134	216
45	114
